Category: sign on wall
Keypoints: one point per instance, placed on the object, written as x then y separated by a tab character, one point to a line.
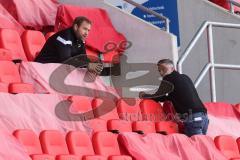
168	8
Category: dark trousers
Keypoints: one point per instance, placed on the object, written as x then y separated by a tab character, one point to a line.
197	123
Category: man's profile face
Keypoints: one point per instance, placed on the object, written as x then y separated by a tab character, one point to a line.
82	31
163	69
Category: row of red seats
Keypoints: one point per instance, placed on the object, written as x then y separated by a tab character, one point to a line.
27	47
10	80
229	146
226	4
76	146
148	115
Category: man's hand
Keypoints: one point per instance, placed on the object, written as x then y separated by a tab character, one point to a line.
141	94
95	67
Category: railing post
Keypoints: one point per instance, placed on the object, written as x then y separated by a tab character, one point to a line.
167	21
211	61
231	6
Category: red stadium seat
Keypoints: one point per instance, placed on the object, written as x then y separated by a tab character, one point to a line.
111	57
33	42
53	143
228	146
3	87
151	110
108	109
119	126
94	158
144	127
106	144
67	157
9	75
96	125
128	109
119	158
32	144
30	141
79	143
238	143
49	34
42	157
225	4
81	104
5	55
169	110
92	54
10	40
166	127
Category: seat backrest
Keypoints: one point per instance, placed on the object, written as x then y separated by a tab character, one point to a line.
33	42
227	145
53	142
49	34
167	127
151	110
238	143
81	104
144	126
119	125
10	40
79	143
128	109
107	108
30	141
105	143
169	110
9	72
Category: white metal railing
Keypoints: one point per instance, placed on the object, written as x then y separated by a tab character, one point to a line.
149	11
211	65
232	4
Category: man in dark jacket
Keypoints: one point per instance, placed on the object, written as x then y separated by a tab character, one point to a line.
68	44
180	90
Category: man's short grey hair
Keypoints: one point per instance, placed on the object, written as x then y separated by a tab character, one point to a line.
165	61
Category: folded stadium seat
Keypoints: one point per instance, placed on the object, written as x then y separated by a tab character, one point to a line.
228	146
119	126
53	143
107	108
9	75
5	55
151	110
33	42
80	144
106	144
225	4
166	127
32	144
10	40
143	127
169	110
49	34
238	143
128	109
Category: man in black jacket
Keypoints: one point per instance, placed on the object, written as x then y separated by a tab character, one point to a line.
69	45
180	90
